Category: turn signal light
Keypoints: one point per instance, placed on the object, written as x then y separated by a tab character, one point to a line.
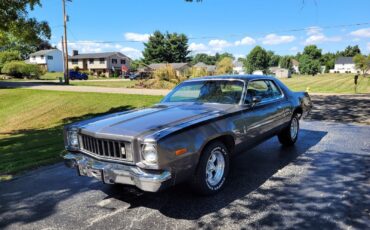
181	151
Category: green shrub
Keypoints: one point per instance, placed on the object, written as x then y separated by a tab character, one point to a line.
8	56
20	69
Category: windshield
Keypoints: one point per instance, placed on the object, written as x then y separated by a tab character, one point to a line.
207	91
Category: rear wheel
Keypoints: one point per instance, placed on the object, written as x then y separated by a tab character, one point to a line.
212	169
289	135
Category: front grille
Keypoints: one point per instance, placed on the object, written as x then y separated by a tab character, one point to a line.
106	148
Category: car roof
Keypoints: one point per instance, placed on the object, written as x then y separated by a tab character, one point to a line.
233	77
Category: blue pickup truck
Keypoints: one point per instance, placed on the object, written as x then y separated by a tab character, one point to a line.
75	75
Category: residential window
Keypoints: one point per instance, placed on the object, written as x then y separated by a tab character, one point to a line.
114	61
74	61
50	57
102	60
123	61
91	61
42	56
34	57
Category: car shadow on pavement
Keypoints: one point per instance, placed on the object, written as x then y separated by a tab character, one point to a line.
341	108
247	173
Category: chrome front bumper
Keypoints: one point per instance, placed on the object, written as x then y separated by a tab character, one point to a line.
111	173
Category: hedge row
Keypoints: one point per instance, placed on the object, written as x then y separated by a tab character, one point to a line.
20	69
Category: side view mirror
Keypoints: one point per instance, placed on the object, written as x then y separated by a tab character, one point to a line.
256	99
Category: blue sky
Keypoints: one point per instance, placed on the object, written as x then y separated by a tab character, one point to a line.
234	26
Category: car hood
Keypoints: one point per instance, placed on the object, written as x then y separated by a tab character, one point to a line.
136	123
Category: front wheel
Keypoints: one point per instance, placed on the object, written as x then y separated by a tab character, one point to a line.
289	135
212	169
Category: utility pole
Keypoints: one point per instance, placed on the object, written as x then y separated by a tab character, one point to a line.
66	71
64	60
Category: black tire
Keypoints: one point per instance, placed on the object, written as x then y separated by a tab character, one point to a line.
286	137
200	183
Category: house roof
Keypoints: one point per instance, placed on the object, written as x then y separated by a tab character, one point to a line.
344	60
97	55
156	66
295	62
209	68
200	64
42	52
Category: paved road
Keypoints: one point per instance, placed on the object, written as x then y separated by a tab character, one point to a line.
322	183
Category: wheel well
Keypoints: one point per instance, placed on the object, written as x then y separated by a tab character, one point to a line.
299	111
227	140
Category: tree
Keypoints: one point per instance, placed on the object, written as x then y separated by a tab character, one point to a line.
257	59
307	65
273	58
205	58
286	62
210	59
224	66
328	60
350	51
221	56
309	61
362	62
17	31
168	47
312	52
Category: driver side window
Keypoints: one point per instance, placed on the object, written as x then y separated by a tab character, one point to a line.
265	89
258	88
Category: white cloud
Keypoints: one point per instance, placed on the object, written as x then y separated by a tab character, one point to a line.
274	39
361	33
245	41
131	52
294	49
313	30
86	46
320	38
368	46
137	37
219	45
197	47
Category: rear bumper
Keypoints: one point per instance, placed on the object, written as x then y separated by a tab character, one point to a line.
115	173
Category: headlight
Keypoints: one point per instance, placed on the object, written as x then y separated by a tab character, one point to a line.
149	153
72	138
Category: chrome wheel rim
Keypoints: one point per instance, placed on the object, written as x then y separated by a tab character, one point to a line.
294	128
215	168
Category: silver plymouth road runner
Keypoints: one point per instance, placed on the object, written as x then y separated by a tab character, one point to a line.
189	136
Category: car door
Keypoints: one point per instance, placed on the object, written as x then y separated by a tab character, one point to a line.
258	120
283	113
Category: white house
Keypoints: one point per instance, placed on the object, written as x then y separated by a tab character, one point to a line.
238	68
50	60
344	65
295	66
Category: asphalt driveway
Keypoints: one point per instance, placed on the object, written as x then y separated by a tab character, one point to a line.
322	183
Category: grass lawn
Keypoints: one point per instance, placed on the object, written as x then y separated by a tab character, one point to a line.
52	76
324	83
112	84
328	83
31	122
